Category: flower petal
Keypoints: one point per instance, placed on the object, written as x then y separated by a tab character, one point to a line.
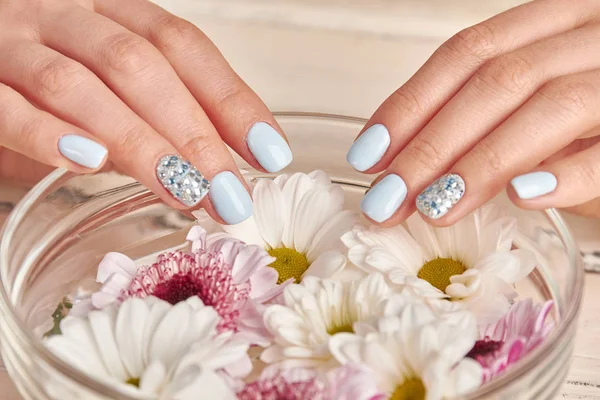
116	263
326	265
269	211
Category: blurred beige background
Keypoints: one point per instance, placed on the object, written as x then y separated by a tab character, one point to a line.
346	57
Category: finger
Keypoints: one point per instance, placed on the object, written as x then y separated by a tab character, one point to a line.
556	115
45	138
63	87
412	106
138	73
20	169
240	117
568	182
485	101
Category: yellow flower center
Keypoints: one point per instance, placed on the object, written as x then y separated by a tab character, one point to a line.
134	381
340	328
289	264
438	272
410	389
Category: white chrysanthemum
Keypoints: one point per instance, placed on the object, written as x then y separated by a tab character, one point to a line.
148	347
299	220
316	310
414	357
472	263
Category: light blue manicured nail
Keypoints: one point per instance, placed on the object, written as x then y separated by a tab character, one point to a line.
368	149
534	184
382	201
82	150
268	147
230	198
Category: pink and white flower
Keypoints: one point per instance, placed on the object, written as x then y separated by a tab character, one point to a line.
222	271
348	382
510	339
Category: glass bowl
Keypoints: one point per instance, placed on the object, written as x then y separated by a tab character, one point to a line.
56	236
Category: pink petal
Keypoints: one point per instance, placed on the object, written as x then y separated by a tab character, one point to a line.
115	263
197	235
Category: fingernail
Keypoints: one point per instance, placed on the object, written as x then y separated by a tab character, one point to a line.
268	147
439	197
230	198
534	184
82	151
382	201
368	149
184	181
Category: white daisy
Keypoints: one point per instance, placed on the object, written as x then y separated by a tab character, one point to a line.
148	347
298	219
471	263
316	310
415	359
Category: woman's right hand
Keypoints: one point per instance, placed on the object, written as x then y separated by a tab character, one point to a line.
86	81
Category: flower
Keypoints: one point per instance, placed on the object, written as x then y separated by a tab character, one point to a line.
416	359
299	220
471	263
314	311
348	382
290	386
152	348
222	271
510	339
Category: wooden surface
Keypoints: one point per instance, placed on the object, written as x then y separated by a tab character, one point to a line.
345	57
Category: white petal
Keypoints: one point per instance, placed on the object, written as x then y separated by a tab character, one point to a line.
166	344
246	231
197	380
103	329
116	263
312	213
328	236
504	265
130	326
269	211
346	348
153	378
294	190
465	377
528	263
326	265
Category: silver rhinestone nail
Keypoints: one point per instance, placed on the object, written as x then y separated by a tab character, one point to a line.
184	181
439	197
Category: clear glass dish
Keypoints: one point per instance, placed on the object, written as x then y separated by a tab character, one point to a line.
55	237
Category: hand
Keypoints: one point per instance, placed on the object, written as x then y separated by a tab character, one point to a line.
84	81
514	99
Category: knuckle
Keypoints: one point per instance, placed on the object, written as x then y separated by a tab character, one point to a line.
231	97
512	73
58	77
588	173
174	32
131	141
126	53
572	97
424	153
477	41
490	158
198	146
28	134
405	100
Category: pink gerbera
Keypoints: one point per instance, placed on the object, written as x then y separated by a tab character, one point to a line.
222	271
348	382
510	339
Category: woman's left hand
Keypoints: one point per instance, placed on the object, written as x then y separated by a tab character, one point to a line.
513	101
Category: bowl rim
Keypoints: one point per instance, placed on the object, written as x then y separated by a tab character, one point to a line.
27	338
